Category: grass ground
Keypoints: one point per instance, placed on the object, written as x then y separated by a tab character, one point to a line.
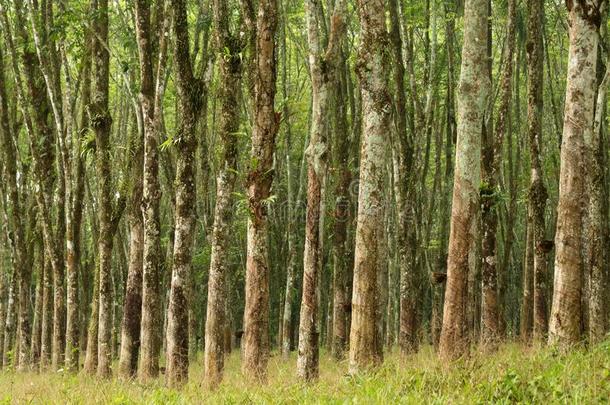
512	375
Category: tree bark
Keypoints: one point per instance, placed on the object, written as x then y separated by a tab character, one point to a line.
260	178
151	102
376	112
18	243
403	144
537	192
322	65
229	47
190	90
594	232
342	215
492	155
566	316
101	123
472	101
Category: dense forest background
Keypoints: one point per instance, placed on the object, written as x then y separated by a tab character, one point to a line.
185	177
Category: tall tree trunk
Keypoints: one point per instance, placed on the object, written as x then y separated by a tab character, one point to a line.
290	290
323	55
42	145
151	101
595	235
342	214
100	123
73	348
260	178
472	101
537	192
190	90
403	144
376	111
133	305
492	155
229	48
566	316
18	243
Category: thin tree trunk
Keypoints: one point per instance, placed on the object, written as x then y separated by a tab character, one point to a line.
527	304
18	244
101	123
407	337
8	358
229	48
473	96
90	365
151	311
537	193
342	215
191	90
37	321
492	155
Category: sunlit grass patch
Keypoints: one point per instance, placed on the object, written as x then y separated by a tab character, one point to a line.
512	375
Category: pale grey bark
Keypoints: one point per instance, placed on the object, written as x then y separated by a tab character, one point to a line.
566	315
472	101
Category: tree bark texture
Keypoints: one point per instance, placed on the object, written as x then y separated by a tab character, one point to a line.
566	315
472	100
376	114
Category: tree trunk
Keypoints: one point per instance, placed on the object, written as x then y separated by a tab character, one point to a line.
229	48
376	111
17	225
73	260
37	321
492	155
132	305
260	178
537	192
403	144
100	123
190	90
323	65
566	316
8	358
595	235
90	365
472	101
150	99
342	215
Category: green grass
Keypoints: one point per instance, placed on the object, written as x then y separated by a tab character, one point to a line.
512	375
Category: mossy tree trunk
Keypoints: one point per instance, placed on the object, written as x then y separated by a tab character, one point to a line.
229	47
376	113
190	91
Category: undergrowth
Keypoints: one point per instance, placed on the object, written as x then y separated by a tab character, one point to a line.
512	375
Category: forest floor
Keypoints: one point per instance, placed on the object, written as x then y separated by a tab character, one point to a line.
513	374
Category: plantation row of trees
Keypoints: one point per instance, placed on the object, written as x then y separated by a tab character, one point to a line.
182	177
